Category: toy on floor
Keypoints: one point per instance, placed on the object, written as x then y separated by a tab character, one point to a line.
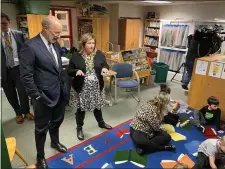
182	159
174	135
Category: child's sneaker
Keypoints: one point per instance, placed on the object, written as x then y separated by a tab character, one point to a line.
140	151
170	148
201	128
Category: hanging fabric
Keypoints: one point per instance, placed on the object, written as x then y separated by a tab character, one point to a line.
174	35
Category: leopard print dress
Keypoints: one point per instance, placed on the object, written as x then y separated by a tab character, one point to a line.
147	120
90	97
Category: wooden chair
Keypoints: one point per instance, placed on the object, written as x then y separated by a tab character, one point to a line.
11	146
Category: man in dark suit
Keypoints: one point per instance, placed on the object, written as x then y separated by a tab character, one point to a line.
10	75
42	76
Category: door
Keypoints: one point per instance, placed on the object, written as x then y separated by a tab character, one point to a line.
136	33
34	24
129	34
101	32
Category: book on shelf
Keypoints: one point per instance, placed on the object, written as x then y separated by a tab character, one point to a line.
124	156
183	158
171	131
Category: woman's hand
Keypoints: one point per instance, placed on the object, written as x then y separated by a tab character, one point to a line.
80	73
106	71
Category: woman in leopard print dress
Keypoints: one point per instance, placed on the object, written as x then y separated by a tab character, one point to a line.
146	131
86	68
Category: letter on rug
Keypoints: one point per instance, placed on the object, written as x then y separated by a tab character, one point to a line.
90	149
68	160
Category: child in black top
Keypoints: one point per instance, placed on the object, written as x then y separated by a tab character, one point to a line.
209	115
170	116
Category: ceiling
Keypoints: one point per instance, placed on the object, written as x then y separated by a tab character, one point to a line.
140	2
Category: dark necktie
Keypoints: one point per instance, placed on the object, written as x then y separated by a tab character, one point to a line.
9	51
52	54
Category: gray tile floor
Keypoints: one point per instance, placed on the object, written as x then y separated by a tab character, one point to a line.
124	110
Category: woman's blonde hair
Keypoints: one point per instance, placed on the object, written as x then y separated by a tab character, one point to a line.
84	39
161	101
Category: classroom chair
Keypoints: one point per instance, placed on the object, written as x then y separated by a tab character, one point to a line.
12	150
124	79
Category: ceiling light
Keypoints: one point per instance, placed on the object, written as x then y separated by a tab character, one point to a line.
158	2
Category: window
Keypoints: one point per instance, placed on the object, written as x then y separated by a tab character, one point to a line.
64	16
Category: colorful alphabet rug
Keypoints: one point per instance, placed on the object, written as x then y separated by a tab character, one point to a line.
114	149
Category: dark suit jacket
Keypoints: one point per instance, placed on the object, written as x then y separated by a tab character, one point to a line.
39	74
19	38
77	62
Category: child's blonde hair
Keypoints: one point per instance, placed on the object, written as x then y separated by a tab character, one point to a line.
180	166
161	101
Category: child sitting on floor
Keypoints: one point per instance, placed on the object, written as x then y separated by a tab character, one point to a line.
208	154
209	115
170	116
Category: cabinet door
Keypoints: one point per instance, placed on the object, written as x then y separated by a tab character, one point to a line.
129	34
34	24
101	32
122	33
136	33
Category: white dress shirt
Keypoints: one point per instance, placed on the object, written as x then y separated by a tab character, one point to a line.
14	47
47	46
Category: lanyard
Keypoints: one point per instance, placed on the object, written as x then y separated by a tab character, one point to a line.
8	41
90	61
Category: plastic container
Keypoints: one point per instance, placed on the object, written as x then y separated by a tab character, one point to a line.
161	72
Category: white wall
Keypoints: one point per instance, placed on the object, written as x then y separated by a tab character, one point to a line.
192	11
12	11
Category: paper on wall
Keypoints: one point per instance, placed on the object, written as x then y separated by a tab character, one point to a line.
223	72
215	69
201	67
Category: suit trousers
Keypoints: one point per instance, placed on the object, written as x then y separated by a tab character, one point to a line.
80	115
47	119
13	86
150	145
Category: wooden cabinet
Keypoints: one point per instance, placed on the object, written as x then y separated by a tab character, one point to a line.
204	86
129	33
30	24
34	24
99	27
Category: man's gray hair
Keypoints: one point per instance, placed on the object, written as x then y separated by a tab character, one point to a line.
45	22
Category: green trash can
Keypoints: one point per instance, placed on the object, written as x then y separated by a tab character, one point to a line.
161	72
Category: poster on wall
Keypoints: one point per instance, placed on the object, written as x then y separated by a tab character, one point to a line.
64	28
215	69
201	67
223	72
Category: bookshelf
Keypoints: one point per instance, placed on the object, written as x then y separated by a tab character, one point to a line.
152	33
136	57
